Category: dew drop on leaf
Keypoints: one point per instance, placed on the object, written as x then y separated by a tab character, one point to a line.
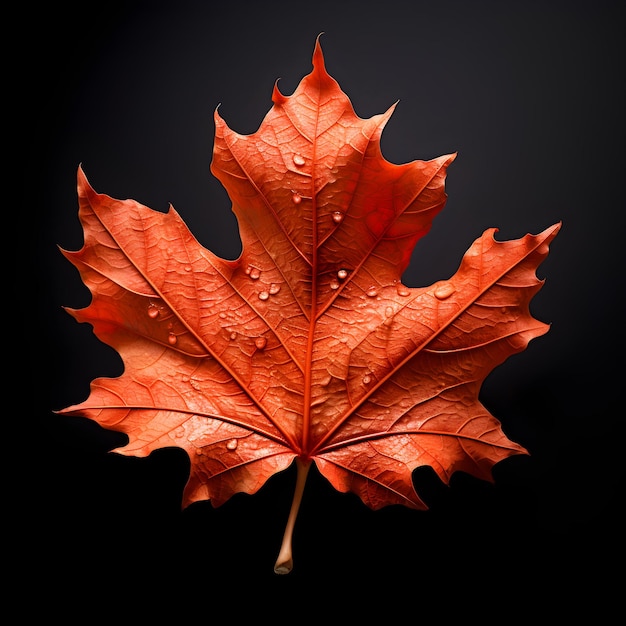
298	159
334	283
371	292
296	198
342	274
264	295
153	311
367	379
172	339
445	290
337	217
403	290
232	444
274	288
254	273
260	342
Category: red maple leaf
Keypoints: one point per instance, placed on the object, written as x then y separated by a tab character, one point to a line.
308	347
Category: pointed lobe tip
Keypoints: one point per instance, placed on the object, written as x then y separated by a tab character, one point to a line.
318	55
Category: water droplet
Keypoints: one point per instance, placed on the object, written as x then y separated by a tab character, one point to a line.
274	288
296	198
248	269
342	274
172	339
153	311
232	444
233	335
367	379
188	268
263	295
334	283
254	273
389	311
371	292
337	217
403	290
222	315
445	290
298	159
260	342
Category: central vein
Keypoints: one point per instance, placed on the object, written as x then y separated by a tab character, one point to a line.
308	363
308	369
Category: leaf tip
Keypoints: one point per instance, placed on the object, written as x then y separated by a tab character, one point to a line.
277	96
318	44
446	159
553	230
318	55
82	183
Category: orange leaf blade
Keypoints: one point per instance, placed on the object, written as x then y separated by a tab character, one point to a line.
308	346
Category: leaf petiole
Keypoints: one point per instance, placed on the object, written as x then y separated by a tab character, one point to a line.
284	562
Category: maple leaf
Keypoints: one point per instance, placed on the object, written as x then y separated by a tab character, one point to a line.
308	347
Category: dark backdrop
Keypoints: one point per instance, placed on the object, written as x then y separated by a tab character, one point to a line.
531	95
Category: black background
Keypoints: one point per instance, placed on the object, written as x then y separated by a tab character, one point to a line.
531	95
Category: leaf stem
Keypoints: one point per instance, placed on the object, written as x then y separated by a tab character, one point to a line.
284	562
